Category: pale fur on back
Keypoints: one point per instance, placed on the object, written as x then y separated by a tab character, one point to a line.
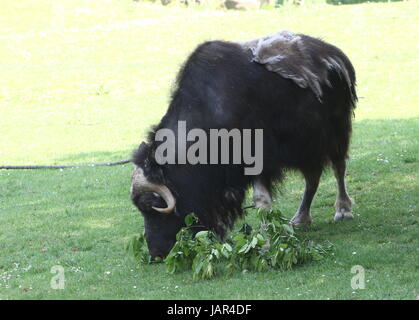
286	54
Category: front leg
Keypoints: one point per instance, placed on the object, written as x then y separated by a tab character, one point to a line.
261	194
302	217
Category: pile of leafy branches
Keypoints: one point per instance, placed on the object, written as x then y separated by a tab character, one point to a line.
272	245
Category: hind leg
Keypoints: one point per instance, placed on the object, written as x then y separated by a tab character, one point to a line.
343	203
302	217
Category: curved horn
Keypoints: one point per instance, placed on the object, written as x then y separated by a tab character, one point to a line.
140	181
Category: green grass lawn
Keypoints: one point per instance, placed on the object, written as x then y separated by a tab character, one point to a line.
83	81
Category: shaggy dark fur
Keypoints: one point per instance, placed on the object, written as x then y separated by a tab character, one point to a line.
220	87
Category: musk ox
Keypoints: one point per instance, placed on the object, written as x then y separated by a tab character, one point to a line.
298	89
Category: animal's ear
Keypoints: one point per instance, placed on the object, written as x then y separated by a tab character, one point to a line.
141	154
143	148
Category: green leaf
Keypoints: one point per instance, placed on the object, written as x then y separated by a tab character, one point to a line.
244	248
288	228
254	242
190	219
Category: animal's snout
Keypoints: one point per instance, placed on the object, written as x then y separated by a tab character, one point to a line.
157	254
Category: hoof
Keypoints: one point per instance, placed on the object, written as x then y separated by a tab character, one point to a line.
300	220
343	214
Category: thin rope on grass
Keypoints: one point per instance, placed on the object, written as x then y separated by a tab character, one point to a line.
100	164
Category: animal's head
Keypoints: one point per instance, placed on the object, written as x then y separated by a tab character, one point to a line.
155	200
